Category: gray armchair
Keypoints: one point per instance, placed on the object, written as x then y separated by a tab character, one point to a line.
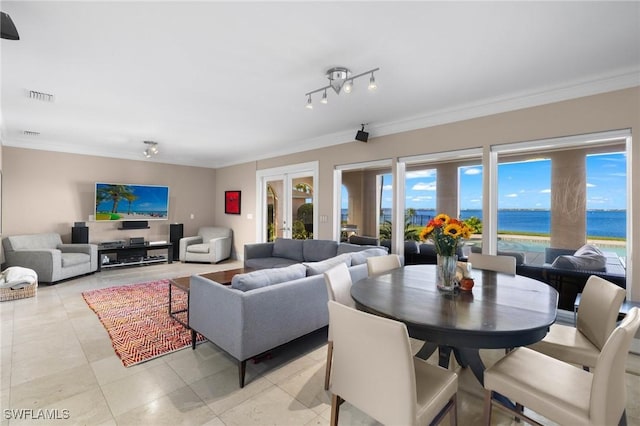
211	245
49	257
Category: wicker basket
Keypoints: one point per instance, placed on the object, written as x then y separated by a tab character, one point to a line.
10	294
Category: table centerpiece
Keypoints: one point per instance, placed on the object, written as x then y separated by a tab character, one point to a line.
446	233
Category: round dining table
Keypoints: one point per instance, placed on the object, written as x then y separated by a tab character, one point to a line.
501	311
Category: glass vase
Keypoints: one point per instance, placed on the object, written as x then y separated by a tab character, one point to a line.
446	268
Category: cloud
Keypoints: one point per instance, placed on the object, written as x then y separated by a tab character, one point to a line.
421	174
546	191
511	195
473	171
420	198
590	185
387	187
424	186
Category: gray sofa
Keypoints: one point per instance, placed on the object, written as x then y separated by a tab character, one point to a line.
266	308
51	259
284	252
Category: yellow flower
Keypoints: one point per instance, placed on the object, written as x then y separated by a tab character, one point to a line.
425	232
453	230
441	219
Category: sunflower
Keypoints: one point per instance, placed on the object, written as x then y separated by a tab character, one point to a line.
453	230
441	219
426	231
445	232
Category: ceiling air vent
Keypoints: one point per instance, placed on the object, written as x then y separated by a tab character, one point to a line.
31	133
40	96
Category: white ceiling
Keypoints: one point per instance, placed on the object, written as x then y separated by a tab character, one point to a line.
219	83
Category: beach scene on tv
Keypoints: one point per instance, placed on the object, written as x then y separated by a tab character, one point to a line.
131	202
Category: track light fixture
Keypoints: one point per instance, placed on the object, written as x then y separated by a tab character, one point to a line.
151	149
340	79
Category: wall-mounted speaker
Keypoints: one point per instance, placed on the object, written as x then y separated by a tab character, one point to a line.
362	136
80	235
176	231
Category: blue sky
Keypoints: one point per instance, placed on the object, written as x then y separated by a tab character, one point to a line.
524	185
150	199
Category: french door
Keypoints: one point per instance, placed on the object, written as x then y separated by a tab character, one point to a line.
286	196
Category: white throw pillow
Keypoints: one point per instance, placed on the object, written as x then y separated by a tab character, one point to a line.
587	257
315	268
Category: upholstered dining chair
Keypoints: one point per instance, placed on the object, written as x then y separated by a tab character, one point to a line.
561	392
374	370
381	264
597	316
489	262
338	281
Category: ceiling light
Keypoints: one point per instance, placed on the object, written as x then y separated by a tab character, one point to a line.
340	78
151	150
348	86
372	83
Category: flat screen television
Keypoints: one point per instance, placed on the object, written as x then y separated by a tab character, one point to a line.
125	202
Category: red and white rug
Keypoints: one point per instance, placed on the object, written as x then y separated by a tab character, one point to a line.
137	319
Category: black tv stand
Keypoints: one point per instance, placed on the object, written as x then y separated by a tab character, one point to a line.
135	255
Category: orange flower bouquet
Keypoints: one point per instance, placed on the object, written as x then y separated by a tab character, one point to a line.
446	233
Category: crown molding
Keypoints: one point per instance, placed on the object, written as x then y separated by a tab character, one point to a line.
602	84
622	79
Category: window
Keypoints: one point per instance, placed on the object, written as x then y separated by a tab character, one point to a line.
562	193
448	183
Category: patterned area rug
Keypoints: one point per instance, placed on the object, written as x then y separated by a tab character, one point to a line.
137	319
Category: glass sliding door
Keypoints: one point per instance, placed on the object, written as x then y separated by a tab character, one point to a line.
365	200
286	198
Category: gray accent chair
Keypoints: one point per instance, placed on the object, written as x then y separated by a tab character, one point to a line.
51	259
211	245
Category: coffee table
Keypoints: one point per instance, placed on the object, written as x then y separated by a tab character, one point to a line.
183	284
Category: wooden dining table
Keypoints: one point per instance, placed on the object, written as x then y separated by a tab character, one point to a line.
501	311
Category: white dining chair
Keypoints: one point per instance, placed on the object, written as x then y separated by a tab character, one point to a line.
597	317
561	392
489	262
374	370
380	264
338	281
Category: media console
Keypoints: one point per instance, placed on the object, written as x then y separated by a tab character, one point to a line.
132	255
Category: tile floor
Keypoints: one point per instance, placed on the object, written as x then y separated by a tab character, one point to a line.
56	355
